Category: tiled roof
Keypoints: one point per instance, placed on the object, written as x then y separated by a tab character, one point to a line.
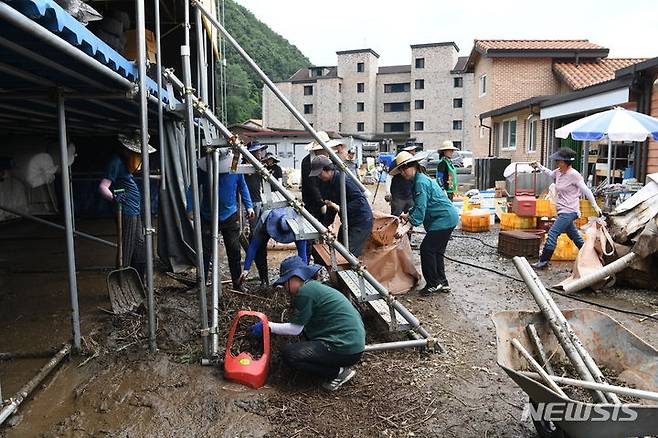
486	45
585	74
304	74
390	69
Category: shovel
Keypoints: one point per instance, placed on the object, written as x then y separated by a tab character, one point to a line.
124	284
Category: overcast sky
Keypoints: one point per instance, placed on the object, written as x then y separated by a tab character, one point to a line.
320	28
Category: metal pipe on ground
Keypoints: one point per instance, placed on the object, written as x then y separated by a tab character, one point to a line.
621	390
194	181
58	226
587	280
27	389
531	280
370	348
68	224
540	371
237	145
575	340
300	118
534	337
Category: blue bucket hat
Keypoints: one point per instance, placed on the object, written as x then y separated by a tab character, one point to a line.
294	266
253	147
277	224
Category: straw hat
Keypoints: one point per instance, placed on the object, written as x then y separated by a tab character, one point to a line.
402	159
315	146
134	142
447	146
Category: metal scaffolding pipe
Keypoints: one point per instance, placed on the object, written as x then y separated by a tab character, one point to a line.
343	210
540	371
188	93
531	280
334	157
58	226
158	60
621	390
143	119
370	348
27	389
68	223
239	147
216	281
587	280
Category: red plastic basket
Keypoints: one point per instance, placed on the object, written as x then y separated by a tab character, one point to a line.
243	368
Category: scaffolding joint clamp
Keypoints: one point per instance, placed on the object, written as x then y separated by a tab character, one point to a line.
148	231
209	331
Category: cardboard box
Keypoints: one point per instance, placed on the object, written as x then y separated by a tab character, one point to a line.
130	51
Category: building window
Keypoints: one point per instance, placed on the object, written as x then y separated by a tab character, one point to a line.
419	126
340	107
457	103
396	107
340	126
419	84
360	67
318	71
457	125
360	107
419	104
420	62
401	87
308	108
458	82
360	87
532	135
396	127
457	144
483	85
340	87
308	90
360	126
507	136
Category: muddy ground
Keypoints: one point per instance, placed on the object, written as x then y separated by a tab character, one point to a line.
116	389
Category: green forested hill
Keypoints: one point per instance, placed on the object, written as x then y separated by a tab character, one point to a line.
274	54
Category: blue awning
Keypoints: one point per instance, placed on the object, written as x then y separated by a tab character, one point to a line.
40	51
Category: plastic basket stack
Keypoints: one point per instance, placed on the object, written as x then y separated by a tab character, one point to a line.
475	221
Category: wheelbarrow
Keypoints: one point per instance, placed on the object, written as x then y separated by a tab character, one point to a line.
124	284
613	347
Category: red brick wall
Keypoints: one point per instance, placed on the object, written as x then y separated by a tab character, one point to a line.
521	152
510	80
652	153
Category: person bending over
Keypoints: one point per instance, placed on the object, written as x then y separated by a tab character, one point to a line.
333	328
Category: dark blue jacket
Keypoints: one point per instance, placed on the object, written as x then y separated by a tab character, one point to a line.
358	208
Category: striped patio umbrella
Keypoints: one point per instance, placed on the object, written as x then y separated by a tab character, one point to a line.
617	124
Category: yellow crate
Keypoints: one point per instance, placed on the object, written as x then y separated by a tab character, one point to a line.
510	221
475	222
566	250
545	208
586	209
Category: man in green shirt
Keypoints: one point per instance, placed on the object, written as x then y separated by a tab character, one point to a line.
333	327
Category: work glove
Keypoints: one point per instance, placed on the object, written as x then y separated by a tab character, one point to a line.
243	277
256	330
387	197
250	214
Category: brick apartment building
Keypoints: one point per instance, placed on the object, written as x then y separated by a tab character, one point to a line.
510	71
429	99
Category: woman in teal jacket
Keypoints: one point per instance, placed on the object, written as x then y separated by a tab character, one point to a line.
435	212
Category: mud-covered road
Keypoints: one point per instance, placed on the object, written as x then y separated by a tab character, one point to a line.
117	389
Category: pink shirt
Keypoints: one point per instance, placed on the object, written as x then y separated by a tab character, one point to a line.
569	186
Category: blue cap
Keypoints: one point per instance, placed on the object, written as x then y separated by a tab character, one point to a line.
277	224
294	266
